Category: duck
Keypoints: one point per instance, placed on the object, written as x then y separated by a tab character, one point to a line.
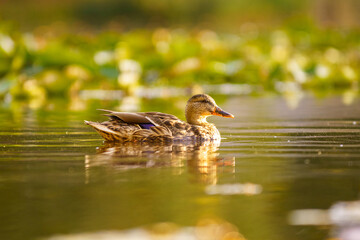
163	127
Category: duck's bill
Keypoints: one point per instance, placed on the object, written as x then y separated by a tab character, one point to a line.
219	112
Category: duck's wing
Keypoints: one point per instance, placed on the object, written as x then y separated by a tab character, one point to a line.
144	126
177	127
126	117
145	120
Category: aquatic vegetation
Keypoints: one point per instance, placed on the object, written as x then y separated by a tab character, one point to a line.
41	66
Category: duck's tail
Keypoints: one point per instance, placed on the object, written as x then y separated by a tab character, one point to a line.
105	132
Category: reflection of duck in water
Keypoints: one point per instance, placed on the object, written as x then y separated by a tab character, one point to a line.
162	127
201	158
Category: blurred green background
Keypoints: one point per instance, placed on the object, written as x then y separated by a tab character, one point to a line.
81	49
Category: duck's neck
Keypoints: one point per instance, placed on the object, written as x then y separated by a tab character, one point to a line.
197	119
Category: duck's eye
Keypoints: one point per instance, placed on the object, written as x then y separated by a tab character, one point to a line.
209	109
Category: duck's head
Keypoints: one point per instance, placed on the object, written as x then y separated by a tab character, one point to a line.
200	106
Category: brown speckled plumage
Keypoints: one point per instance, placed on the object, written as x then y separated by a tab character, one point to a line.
162	127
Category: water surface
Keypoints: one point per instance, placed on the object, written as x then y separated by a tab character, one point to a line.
58	177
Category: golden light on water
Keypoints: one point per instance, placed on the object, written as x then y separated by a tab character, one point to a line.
234	189
205	229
